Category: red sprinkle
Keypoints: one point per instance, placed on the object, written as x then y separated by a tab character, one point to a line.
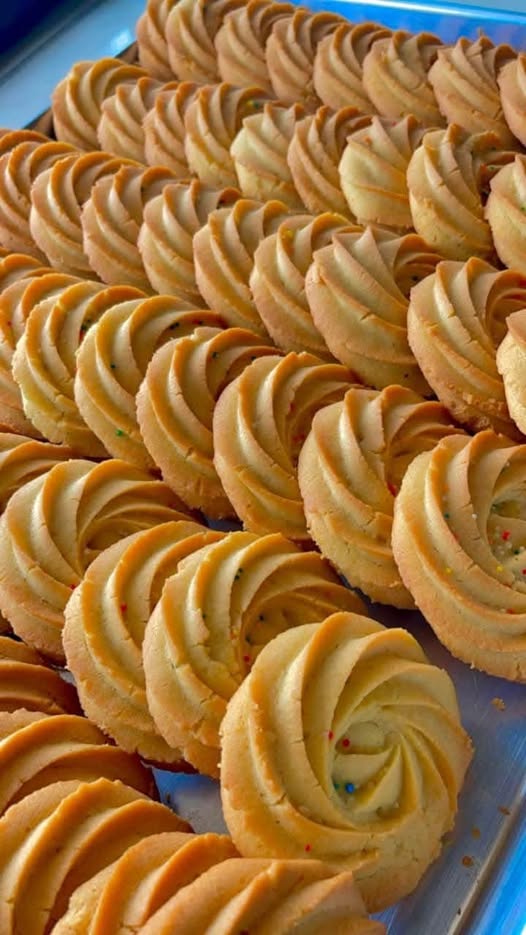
331	735
524	571
467	861
72	587
308	847
124	608
392	489
506	535
510	611
346	742
246	658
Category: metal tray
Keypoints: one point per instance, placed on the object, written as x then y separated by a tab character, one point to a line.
478	885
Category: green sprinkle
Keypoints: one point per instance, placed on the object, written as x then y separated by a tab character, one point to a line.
336	785
446	515
119	433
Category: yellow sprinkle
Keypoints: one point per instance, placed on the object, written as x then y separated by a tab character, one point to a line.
448	571
500	567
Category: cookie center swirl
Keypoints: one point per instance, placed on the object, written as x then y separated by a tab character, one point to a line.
506	531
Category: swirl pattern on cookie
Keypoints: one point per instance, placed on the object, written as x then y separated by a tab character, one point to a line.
111	221
314	156
27	682
163	129
57	199
37	749
290	51
105	620
456	320
511	80
278	280
260	153
162	864
459	540
176	422
16	304
345	742
212	120
45	361
350	469
53	528
112	362
151	39
60	836
464	79
120	130
260	423
15	266
268	896
241	40
165	239
77	100
224	257
511	364
357	289
373	170
338	65
395	76
443	178
191	28
19	167
22	458
214	616
505	213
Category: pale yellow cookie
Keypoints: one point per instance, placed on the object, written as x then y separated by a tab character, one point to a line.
150	30
163	128
290	52
511	364
506	213
241	40
190	30
120	128
338	65
26	681
395	76
511	80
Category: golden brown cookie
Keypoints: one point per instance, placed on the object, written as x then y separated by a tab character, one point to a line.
456	320
163	128
59	837
55	525
112	362
151	39
176	421
45	361
223	251
23	458
505	213
120	128
104	628
312	749
165	239
349	471
358	289
290	52
395	76
338	65
190	31
241	41
15	266
511	80
214	616
26	681
511	364
77	100
260	423
459	541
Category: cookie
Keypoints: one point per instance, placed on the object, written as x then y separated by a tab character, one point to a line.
260	153
240	42
26	681
338	65
163	128
290	52
511	359
395	76
191	28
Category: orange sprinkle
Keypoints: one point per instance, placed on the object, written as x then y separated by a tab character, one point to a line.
475	832
467	861
503	810
308	847
498	703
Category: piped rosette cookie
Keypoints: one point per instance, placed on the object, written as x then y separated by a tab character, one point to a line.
55	525
176	421
120	128
446	178
358	290
260	152
505	213
23	458
105	620
62	835
190	31
77	99
26	681
459	539
214	615
373	170
57	197
344	744
150	31
278	280
111	220
44	363
260	423
23	155
511	364
163	128
241	40
37	749
290	53
395	76
314	155
165	238
16	304
456	320
350	470
464	78
111	363
511	80
15	266
223	252
212	120
338	65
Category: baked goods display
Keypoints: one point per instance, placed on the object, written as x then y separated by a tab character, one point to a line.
271	245
312	748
